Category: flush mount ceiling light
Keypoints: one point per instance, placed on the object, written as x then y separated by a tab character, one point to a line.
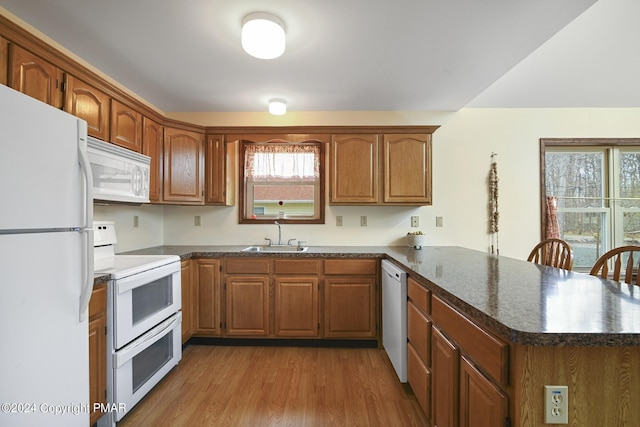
263	35
277	107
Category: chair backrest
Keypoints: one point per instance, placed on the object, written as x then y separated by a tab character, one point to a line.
554	253
627	273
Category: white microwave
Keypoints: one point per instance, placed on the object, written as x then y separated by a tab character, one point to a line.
119	174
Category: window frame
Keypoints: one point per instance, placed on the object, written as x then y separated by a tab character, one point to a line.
293	139
581	144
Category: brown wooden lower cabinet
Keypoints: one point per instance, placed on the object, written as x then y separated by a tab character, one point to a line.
419	344
419	378
207	295
465	392
482	404
350	298
97	349
248	306
296	306
349	307
445	380
247	297
282	298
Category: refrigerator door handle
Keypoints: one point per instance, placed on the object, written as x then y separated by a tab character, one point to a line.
85	294
85	167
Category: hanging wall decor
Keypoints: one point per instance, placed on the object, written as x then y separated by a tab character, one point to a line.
494	215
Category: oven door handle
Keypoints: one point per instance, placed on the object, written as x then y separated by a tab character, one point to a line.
127	353
136	280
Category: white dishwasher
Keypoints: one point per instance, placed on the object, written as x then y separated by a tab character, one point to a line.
394	316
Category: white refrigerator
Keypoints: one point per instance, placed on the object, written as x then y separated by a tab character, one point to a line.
46	264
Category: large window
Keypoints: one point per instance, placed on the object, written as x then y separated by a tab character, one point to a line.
282	181
592	188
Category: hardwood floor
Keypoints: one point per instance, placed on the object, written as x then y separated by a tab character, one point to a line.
279	386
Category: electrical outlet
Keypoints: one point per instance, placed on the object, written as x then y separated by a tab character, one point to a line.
197	221
556	404
415	221
363	221
439	222
136	221
339	221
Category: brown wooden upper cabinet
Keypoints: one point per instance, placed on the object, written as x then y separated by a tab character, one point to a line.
126	126
4	61
35	77
407	169
354	169
364	172
152	146
183	167
88	103
220	175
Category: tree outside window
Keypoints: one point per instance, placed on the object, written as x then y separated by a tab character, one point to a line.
596	183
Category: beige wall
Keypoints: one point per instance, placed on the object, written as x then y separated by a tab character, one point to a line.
150	225
461	159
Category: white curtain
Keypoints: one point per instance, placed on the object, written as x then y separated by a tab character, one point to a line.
281	161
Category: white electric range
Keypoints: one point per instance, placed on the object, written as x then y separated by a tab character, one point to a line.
144	320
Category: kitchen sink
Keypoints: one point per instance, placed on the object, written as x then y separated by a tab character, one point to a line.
275	249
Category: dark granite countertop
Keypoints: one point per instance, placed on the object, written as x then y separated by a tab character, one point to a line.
520	301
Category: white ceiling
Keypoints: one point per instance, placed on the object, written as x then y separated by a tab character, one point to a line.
342	55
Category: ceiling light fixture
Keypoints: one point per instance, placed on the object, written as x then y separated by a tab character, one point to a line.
277	107
263	35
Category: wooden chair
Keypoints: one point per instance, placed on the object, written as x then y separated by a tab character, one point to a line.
628	274
554	253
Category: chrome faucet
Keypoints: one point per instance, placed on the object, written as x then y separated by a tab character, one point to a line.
279	233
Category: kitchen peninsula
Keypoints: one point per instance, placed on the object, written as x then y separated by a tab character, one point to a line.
518	325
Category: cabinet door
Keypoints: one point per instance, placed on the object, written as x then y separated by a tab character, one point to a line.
248	307
444	386
126	126
183	167
419	378
90	104
482	404
4	61
296	307
207	297
34	76
220	162
97	348
354	169
186	282
407	169
419	332
349	310
152	136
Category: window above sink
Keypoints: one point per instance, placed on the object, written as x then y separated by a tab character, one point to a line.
281	179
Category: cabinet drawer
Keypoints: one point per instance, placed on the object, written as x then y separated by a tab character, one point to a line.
350	266
247	266
296	266
419	378
98	302
419	295
419	332
488	352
